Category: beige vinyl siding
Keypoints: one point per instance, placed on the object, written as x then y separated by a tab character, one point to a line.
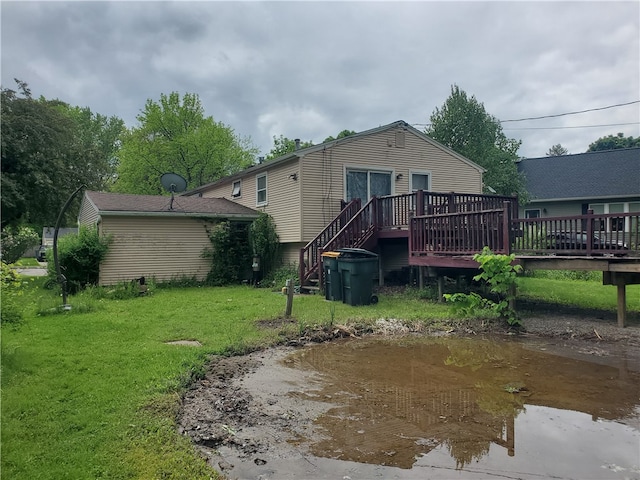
323	173
283	197
88	214
154	247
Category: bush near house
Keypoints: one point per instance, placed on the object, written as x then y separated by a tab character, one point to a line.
79	257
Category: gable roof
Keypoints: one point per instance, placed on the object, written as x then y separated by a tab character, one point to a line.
603	174
301	153
158	205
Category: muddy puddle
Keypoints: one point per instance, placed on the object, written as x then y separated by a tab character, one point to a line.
433	408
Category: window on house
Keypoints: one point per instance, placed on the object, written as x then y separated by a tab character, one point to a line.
364	184
533	213
236	190
420	181
261	189
616	223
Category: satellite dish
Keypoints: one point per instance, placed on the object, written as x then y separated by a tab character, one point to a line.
173	183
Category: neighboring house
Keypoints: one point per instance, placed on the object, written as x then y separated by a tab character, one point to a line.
156	236
47	240
605	182
305	190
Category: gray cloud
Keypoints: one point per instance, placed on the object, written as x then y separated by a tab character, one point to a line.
312	69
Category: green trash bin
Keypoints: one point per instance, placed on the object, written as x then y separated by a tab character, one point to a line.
332	283
358	268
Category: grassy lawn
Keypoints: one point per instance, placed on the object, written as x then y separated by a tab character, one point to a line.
586	294
93	393
26	262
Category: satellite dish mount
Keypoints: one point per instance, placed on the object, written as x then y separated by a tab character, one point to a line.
173	183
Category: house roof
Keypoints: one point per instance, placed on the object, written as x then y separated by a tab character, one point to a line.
317	148
603	174
158	205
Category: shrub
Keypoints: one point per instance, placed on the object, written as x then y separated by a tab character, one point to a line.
265	242
16	241
11	288
230	253
79	256
278	277
500	275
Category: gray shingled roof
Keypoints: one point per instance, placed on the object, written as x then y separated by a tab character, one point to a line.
128	204
609	173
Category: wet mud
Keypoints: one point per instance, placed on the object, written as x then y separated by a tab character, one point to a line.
422	406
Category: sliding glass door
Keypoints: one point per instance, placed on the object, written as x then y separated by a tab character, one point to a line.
364	184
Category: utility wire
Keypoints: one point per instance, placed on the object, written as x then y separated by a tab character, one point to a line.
577	126
571	113
558	115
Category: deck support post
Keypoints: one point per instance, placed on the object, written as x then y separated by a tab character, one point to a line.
440	288
420	277
622	304
621	280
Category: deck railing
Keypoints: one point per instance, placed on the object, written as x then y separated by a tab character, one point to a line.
589	234
309	254
461	233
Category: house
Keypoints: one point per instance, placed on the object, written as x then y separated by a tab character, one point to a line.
156	236
305	190
606	182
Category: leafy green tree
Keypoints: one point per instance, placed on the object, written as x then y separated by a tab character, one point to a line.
557	151
283	145
613	142
16	241
174	135
464	125
48	150
342	134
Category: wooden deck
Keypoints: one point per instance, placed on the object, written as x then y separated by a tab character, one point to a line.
445	231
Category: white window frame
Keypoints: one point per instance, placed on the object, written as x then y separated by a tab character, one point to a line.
419	172
265	189
233	189
368	169
526	212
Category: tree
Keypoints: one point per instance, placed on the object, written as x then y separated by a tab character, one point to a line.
49	149
342	134
612	142
283	145
175	136
463	125
557	151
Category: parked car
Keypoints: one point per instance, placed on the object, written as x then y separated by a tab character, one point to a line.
579	241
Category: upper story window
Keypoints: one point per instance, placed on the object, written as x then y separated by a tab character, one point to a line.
261	189
420	181
236	190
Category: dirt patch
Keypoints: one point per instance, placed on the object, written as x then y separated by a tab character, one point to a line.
247	418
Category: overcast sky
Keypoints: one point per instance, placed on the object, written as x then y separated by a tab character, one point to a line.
311	69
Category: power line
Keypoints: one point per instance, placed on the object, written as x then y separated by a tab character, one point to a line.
571	113
577	126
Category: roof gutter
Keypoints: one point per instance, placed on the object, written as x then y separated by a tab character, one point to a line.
235	216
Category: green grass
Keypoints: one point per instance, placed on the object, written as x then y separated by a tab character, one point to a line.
584	294
26	262
93	393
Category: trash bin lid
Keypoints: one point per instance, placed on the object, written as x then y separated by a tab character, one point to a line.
331	254
356	252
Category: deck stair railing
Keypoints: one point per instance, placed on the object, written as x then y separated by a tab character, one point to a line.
309	254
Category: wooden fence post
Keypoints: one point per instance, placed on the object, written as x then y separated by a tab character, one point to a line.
289	287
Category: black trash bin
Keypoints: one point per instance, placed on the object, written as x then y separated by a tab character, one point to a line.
358	268
332	283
